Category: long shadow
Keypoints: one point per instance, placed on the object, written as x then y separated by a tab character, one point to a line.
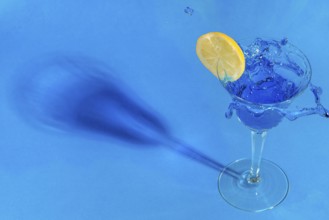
80	95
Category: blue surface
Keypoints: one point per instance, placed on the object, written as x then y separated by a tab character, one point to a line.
158	152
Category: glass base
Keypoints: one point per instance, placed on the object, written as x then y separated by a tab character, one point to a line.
268	192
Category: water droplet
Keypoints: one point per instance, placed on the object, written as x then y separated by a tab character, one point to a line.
189	11
284	41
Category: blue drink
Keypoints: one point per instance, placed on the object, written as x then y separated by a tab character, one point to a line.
275	73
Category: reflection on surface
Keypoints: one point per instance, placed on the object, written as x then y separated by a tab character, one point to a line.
82	96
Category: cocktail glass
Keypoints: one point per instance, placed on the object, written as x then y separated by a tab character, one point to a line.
257	184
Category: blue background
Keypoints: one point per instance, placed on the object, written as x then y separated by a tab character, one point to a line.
52	167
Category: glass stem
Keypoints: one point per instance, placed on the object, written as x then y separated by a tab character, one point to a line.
257	145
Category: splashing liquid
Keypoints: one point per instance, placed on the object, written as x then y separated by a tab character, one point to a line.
276	72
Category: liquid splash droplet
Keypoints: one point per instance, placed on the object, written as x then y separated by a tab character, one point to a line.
189	11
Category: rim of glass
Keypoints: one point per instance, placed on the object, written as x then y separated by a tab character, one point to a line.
308	70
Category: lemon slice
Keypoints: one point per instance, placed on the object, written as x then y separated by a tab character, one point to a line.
221	55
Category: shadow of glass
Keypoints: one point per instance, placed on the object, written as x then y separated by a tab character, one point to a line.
81	95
